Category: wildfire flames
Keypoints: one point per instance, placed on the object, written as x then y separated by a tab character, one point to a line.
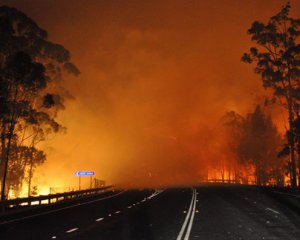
156	79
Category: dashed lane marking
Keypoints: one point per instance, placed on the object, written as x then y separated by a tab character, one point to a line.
72	230
272	210
117	212
60	209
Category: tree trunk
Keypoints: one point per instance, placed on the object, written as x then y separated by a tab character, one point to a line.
3	195
292	149
2	159
30	174
298	153
29	180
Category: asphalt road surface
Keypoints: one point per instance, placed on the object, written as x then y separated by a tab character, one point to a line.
206	212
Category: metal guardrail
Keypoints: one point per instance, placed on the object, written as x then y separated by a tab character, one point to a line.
220	181
231	181
51	198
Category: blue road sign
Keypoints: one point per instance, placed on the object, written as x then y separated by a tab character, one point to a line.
84	173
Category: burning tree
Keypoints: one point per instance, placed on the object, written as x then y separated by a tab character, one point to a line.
255	141
30	69
277	60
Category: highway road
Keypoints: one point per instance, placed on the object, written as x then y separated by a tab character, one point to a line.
204	212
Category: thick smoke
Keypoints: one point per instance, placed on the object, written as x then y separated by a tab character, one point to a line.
156	76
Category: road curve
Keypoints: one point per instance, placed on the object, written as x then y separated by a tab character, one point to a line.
207	212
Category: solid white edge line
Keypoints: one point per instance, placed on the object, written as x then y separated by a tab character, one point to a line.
72	230
179	237
188	232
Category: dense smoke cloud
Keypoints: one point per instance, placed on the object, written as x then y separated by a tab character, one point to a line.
156	76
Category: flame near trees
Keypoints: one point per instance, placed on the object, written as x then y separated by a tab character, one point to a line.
255	141
156	79
277	60
30	69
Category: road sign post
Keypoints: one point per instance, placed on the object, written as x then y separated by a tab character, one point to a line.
80	174
79	185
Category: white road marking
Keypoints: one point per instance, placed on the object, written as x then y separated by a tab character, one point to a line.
188	232
60	209
179	237
147	198
272	210
155	193
117	212
53	237
72	230
109	215
99	219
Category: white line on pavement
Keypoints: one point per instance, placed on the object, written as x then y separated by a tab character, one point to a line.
272	210
155	193
72	230
99	219
186	218
60	209
188	232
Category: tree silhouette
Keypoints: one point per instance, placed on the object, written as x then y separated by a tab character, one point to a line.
277	62
260	145
29	65
255	141
234	122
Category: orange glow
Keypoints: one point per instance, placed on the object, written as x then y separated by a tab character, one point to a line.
156	77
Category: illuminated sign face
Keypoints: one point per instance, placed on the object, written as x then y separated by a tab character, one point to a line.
84	173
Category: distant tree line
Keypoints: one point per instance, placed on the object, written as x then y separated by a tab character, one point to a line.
31	69
255	141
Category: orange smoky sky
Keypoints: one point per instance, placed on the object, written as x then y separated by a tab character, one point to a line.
156	76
